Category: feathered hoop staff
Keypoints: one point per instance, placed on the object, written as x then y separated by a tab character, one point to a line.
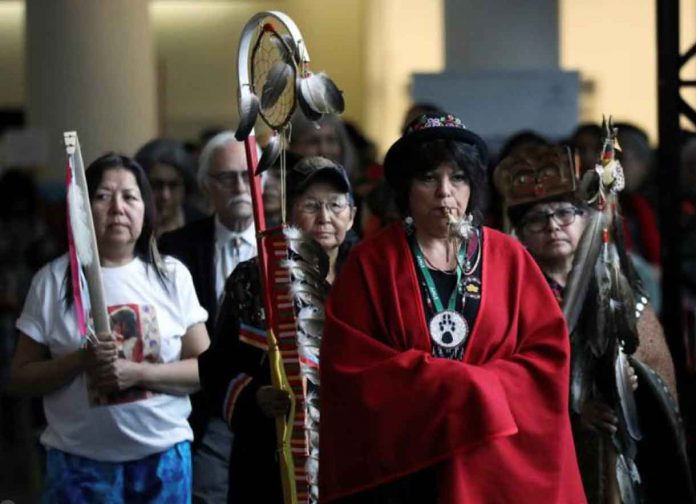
601	256
274	77
82	245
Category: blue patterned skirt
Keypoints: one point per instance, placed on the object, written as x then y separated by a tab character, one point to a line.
160	478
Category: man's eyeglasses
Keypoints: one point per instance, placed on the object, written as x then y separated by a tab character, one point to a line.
229	179
538	221
313	207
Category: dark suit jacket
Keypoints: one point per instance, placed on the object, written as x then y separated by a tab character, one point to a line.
194	245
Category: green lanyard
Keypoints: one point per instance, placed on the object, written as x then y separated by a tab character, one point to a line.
420	260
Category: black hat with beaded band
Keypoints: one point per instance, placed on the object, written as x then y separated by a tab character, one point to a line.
425	128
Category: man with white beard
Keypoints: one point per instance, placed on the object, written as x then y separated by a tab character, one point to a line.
211	248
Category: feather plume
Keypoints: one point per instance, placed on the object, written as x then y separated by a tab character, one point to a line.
580	371
309	250
308	265
626	396
623	304
583	267
461	229
627	267
287	48
276	81
307	110
79	224
248	112
321	94
270	154
627	477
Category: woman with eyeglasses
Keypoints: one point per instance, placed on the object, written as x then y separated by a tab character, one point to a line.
551	232
443	379
235	370
549	216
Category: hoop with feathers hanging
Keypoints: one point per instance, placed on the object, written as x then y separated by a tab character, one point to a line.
274	77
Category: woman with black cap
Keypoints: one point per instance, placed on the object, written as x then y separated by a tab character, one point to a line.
444	378
235	371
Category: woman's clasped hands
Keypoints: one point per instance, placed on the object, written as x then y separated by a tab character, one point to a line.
107	371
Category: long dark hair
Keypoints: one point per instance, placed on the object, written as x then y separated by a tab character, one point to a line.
111	161
145	245
426	156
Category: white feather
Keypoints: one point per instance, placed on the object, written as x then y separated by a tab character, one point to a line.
80	225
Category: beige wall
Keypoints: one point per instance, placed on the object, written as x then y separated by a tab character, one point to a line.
613	45
402	38
197	50
370	47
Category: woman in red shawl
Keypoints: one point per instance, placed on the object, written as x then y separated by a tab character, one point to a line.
445	357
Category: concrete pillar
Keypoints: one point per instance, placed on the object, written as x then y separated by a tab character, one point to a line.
501	34
90	68
502	74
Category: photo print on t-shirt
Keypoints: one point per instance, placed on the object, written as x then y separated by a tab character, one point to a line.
137	338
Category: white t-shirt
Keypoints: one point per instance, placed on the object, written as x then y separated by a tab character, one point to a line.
152	319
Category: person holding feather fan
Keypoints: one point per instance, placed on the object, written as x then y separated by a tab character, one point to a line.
235	370
443	376
116	403
553	220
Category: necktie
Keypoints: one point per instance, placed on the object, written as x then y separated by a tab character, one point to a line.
230	255
229	258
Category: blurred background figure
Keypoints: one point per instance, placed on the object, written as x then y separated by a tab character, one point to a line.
271	190
270	186
25	245
327	138
586	142
170	169
638	199
688	246
521	141
688	198
211	248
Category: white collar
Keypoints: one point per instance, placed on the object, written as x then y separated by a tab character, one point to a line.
224	235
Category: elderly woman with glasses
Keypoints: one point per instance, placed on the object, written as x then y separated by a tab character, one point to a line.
443	378
549	216
235	370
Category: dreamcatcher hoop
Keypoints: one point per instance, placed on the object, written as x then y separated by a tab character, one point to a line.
273	71
274	77
286	37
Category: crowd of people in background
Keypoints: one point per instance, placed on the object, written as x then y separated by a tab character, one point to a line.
202	216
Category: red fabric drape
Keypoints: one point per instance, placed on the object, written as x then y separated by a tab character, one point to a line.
496	425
